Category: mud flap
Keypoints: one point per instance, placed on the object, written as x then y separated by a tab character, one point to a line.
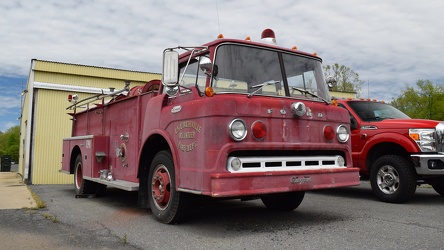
142	194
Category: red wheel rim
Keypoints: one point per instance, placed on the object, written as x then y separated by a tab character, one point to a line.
161	187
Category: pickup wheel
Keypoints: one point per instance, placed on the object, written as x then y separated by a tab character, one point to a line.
283	201
167	204
393	179
81	185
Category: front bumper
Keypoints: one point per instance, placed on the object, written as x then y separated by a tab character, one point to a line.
429	164
257	183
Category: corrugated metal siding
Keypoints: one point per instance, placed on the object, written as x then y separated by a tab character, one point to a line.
52	123
74	69
339	94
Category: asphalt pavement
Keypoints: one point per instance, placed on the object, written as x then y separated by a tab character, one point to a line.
343	218
25	225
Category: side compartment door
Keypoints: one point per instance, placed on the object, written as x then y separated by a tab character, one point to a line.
123	125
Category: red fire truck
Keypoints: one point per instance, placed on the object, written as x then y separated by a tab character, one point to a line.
231	119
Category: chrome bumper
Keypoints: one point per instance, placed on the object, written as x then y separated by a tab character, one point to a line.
285	163
429	164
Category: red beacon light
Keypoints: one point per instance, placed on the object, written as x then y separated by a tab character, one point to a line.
72	97
268	36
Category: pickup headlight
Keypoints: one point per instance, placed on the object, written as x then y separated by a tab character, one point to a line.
425	138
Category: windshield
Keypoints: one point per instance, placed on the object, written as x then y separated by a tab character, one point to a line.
244	69
373	111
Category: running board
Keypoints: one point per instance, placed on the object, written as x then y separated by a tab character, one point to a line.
125	185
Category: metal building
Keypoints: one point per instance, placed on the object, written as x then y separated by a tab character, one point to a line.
343	94
45	120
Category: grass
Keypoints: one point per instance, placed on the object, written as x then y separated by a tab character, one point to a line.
124	239
38	201
50	217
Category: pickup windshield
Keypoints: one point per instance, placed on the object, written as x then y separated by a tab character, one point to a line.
258	71
374	111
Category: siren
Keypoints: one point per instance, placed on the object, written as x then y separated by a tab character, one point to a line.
268	36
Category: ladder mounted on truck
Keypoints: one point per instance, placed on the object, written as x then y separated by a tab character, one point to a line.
102	96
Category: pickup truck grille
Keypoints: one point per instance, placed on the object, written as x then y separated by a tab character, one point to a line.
264	164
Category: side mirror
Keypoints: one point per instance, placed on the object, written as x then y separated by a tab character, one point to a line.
353	123
170	70
331	82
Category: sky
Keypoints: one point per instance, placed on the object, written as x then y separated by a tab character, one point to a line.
390	44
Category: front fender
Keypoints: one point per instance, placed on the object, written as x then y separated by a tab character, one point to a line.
155	141
402	141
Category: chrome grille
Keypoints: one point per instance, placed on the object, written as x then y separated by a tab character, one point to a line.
264	164
440	137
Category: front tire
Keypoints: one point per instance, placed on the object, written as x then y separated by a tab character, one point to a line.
167	204
393	179
283	201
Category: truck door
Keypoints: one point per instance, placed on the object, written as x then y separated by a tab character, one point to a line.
186	120
356	138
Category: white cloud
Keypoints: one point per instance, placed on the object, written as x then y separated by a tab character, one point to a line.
389	43
8	102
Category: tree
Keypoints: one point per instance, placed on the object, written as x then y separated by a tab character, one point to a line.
426	102
10	143
348	80
2	144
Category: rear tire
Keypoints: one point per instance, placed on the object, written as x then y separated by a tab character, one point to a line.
393	179
83	186
283	201
167	204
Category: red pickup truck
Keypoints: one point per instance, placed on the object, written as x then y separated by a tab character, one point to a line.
396	153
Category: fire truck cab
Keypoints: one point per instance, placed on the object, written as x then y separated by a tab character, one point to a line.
232	119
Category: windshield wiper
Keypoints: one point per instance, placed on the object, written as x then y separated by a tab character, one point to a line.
260	86
305	92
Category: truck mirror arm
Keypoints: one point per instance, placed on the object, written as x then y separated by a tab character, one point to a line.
353	123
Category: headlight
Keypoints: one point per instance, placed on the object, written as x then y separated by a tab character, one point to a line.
236	164
340	161
237	129
342	134
425	138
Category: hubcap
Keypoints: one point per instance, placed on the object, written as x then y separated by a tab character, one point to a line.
388	179
160	186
